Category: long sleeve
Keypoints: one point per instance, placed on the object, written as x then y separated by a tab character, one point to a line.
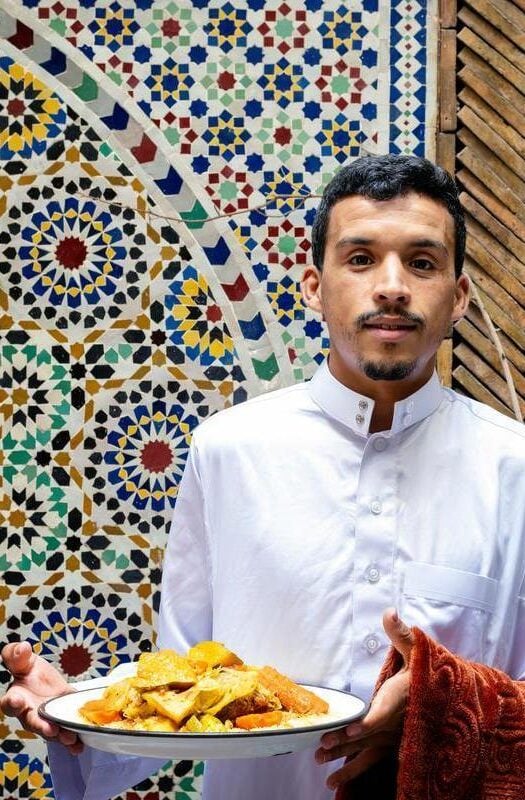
185	617
186	597
94	774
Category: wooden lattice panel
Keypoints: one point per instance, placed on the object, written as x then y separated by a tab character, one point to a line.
482	137
491	171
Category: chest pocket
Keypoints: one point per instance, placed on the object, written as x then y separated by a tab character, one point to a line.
451	605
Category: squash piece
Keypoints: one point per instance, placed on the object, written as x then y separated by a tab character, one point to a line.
164	668
98	712
215	654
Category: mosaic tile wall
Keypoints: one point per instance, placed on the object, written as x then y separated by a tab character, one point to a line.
159	167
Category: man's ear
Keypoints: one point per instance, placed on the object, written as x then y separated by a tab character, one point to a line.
311	289
462	297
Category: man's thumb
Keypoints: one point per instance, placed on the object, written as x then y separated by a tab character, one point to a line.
399	634
18	658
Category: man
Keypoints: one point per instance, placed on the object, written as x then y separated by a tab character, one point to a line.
304	513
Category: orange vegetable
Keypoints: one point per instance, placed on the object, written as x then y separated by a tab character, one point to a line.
266	720
292	696
97	711
214	654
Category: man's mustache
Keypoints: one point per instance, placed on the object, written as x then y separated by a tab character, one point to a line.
391	311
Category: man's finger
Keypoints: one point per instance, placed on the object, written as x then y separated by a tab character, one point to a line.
18	658
354	767
356	730
351	748
13	703
33	722
399	634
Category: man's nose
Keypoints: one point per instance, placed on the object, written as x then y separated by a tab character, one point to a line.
391	284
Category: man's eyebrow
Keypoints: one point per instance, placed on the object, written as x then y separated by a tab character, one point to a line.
434	243
364	241
354	240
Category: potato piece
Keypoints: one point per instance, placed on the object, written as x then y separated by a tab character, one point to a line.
164	668
206	723
155	723
292	696
215	654
250	721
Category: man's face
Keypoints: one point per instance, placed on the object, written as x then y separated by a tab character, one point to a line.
387	289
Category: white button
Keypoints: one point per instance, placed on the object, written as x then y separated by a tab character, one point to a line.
372	574
363	405
359	419
376	507
372	644
380	444
409	406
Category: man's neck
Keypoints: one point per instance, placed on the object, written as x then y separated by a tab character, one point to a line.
385	394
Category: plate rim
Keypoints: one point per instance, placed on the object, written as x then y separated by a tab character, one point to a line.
210	735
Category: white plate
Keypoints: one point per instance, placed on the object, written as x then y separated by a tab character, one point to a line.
63	710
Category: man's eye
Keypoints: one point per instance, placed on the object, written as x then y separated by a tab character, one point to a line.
422	264
360	260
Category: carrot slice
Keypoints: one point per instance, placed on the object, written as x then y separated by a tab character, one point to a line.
266	720
292	696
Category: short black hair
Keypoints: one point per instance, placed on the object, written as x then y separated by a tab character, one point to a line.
383	178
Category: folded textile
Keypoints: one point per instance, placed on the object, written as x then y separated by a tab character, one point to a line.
463	735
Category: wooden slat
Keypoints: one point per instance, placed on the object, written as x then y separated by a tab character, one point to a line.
499	231
447	80
491	77
444	362
483	170
495	59
493	139
515	356
486	348
520	3
493	37
493	120
448	13
507	111
494	251
478	391
496	293
446	151
502	320
507	175
504	16
479	190
483	257
485	374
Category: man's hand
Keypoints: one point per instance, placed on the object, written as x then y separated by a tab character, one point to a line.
34	681
369	739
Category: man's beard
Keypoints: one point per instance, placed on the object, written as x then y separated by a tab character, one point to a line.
384	371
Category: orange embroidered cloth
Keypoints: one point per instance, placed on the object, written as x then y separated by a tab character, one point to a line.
463	736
